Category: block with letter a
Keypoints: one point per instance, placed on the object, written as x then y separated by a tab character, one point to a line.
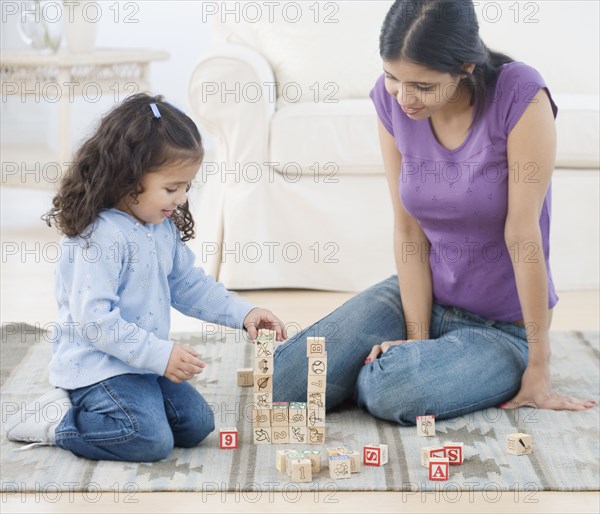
438	468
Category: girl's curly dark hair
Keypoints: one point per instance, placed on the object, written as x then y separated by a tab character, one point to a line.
129	142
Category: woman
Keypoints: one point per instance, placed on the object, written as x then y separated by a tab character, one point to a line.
468	143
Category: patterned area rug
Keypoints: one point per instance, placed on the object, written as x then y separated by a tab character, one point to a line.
565	455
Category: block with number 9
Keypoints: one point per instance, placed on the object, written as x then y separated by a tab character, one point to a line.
228	438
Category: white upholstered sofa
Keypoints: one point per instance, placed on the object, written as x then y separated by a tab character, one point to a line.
294	195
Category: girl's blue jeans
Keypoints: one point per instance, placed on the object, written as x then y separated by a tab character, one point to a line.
469	363
137	418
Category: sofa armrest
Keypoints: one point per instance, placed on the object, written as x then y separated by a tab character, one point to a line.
232	92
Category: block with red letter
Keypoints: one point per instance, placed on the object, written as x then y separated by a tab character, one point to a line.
375	454
439	468
228	438
426	426
454	452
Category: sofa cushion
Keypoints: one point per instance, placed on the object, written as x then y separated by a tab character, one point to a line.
307	136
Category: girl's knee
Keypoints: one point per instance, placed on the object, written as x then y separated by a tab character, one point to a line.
199	423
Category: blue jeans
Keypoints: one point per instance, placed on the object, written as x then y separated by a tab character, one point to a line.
469	363
136	418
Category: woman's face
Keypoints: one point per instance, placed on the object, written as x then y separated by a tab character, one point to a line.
421	91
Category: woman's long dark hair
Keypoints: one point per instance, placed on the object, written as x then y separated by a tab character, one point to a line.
441	35
129	142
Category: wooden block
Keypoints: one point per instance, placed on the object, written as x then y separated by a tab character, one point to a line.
315	459
438	468
293	455
279	414
264	365
263	383
280	435
301	470
297	414
427	452
426	426
315	418
317	366
261	435
298	434
261	417
354	462
280	459
316	384
316	435
375	454
245	377
315	346
266	335
228	438
263	400
316	400
337	450
340	466
454	452
264	349
519	443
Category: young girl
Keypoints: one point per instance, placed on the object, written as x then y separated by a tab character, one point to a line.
122	390
468	143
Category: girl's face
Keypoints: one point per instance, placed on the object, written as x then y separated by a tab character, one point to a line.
420	91
164	190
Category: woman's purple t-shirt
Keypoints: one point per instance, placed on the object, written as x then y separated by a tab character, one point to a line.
460	197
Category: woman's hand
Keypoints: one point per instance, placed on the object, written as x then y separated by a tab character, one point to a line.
183	364
378	349
259	318
536	391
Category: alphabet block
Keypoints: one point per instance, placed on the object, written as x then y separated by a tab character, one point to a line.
426	426
261	435
428	452
340	466
297	414
301	470
298	434
354	462
294	455
228	438
337	450
316	435
280	459
315	459
280	435
264	349
317	366
315	346
375	454
316	384
454	452
264	365
263	383
245	377
315	418
263	400
316	400
438	468
261	417
519	443
279	414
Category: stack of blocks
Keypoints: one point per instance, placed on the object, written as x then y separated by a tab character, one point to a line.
283	422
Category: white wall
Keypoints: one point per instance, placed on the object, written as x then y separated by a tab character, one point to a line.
172	26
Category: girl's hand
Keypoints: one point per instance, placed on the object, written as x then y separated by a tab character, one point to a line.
536	391
378	349
259	318
183	364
